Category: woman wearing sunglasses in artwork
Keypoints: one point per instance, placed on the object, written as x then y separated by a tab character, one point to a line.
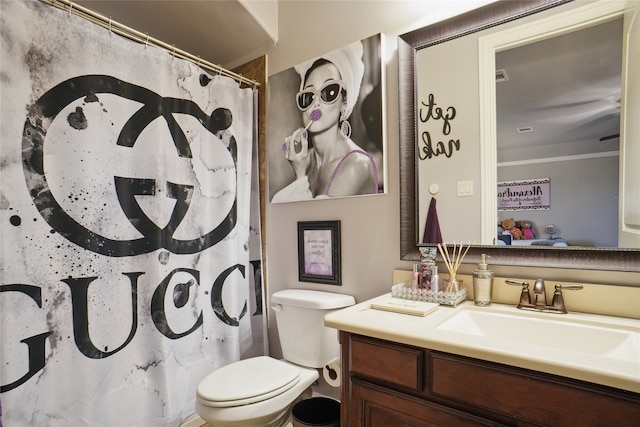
326	161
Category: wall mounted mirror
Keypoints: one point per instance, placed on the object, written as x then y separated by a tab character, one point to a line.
456	160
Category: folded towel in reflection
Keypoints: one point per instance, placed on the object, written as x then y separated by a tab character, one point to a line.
432	232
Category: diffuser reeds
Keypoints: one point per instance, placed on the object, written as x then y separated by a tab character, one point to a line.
452	262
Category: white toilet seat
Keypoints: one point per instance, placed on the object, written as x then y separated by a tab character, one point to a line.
261	413
269	377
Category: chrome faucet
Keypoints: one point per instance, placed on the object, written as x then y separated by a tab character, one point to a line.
540	296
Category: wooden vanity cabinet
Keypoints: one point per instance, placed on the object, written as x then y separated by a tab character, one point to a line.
390	384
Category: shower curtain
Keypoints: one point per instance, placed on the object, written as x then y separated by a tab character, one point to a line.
126	272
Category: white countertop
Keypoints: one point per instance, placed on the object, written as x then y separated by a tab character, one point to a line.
425	332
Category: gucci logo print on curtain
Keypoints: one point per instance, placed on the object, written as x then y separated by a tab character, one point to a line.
125	225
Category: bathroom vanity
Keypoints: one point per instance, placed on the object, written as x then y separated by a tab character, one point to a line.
468	366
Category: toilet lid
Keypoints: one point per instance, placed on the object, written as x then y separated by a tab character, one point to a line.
247	381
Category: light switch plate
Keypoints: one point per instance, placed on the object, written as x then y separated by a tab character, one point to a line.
465	188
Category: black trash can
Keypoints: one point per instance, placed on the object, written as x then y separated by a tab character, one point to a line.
316	411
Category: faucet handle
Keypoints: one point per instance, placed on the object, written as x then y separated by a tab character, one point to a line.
558	301
571	286
525	296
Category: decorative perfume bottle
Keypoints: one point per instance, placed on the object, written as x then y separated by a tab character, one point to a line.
482	283
415	276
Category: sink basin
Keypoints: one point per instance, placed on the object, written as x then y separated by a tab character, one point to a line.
553	331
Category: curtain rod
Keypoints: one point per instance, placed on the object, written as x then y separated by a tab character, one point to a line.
139	37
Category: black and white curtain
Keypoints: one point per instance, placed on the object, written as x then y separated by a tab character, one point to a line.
127	272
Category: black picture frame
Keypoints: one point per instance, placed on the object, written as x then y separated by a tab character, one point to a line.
319	259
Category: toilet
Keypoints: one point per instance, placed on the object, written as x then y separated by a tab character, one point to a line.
261	391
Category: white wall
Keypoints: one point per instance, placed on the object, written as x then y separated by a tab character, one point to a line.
370	224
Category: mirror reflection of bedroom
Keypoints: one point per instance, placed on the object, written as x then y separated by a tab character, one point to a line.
558	128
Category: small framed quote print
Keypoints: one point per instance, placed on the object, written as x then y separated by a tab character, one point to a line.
319	252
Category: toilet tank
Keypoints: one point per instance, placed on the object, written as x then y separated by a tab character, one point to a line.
300	315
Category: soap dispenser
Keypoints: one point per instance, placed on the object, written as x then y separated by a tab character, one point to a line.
482	283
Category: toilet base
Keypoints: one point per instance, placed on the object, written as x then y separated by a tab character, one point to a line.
194	420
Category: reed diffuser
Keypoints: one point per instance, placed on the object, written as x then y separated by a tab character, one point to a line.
452	262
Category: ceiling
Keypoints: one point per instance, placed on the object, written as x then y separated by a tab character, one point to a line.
567	89
222	32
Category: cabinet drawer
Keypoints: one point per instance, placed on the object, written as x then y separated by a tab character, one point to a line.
538	398
375	406
394	363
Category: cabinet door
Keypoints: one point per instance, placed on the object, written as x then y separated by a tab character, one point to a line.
374	406
525	395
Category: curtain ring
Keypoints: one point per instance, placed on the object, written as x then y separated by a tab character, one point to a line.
240	81
70	7
146	42
109	25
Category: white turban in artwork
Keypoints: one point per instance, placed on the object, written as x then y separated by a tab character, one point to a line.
348	61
